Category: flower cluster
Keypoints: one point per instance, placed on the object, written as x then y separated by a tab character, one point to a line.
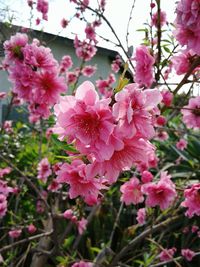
144	66
187	24
34	74
113	137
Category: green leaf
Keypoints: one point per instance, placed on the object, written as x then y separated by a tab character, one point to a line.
62	145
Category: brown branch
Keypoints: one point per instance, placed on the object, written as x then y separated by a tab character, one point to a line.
28	239
142	236
27	180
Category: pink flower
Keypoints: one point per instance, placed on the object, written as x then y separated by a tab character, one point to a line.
88	121
195	228
187	24
3	205
147	177
5	171
133	151
90	32
68	214
181	62
32	229
7	126
66	63
84	50
82	224
13	47
64	23
3	95
15	233
181	144
161	135
115	66
54	186
161	120
141	216
154	21
167	254
133	110
83	264
39	57
71	77
188	254
167	97
161	193
131	192
191	113
89	70
144	66
192	200
43	7
81	182
44	170
47	88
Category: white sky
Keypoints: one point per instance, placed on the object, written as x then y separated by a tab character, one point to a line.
117	12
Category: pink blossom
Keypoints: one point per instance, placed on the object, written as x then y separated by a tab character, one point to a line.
89	70
68	214
3	205
161	135
64	23
181	62
15	233
133	151
44	170
192	200
7	126
181	144
32	229
188	254
81	182
43	7
5	171
82	224
84	50
71	77
167	254
66	63
115	66
54	186
147	177
144	66
131	192
30	3
154	21
191	113
83	264
4	188
161	120
167	97
90	32
141	216
161	193
39	57
47	88
133	110
195	228
187	24
13	47
3	95
88	121
22	77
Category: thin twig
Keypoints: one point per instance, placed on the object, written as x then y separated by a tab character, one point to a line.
28	239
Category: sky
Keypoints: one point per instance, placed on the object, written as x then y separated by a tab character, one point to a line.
117	12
